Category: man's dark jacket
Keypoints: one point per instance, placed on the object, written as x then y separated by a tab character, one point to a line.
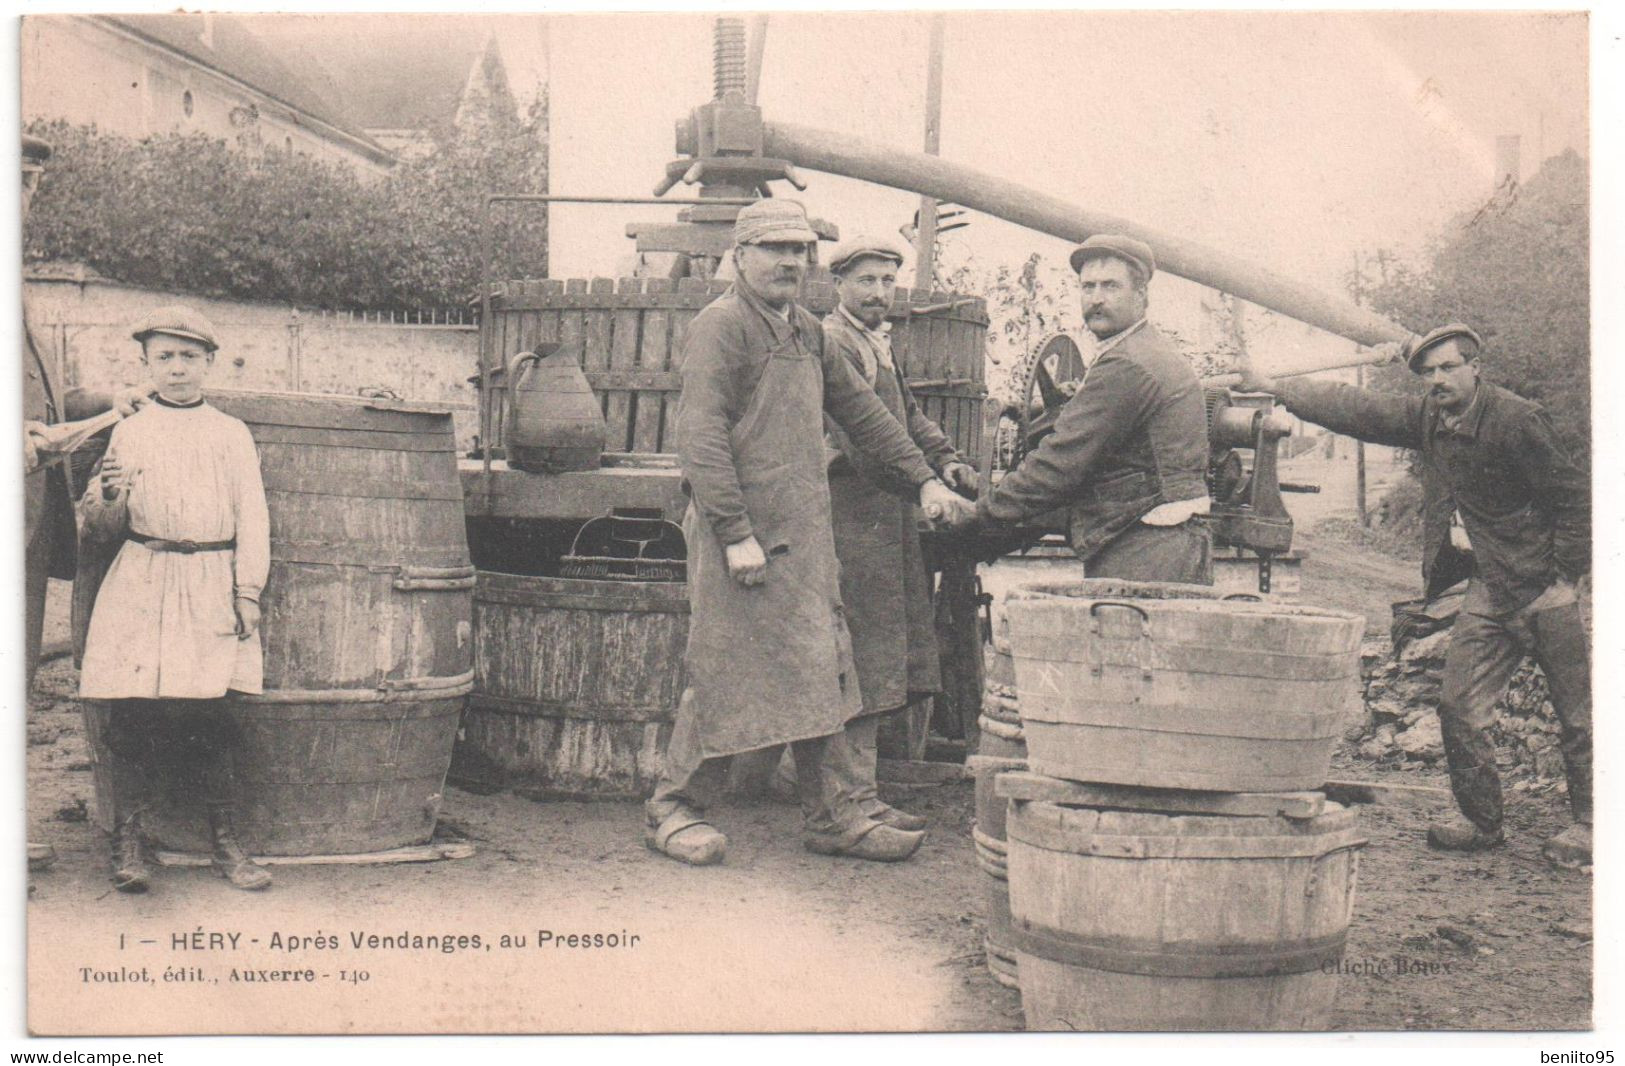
1133	438
884	585
1525	503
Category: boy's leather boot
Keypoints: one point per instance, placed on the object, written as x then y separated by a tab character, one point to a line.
230	860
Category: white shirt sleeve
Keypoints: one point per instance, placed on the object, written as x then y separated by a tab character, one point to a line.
251	562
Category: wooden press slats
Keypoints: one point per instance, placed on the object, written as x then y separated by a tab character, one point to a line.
628	334
663	421
654	353
598	355
623	355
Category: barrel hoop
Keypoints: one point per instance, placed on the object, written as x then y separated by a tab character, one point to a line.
371	440
992	764
322	411
989	843
1153	959
369	490
1002	730
1000	707
347	554
1114	846
388	691
1183	719
566	710
433	578
608	601
1208	659
993	867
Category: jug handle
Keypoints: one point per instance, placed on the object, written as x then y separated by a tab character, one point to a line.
517	363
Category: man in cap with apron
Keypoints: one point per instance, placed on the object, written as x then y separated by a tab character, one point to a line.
769	656
1129	452
884	585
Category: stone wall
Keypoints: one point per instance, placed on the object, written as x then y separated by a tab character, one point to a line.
84	324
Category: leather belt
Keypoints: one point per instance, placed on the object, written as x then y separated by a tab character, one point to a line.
184	547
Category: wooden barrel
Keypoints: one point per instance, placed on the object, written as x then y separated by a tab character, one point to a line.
576	683
1127	920
1170	686
366	628
1001	747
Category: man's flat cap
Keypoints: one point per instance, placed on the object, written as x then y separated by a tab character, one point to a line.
854	248
35	150
1115	246
1417	345
177	320
773	222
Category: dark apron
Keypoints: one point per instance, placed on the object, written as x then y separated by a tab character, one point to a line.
883	581
773	663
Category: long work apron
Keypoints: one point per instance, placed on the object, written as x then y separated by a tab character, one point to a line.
772	663
883	580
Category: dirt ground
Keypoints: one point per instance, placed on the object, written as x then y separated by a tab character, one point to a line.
775	939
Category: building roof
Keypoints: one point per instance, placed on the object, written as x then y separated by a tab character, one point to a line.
393	72
234	46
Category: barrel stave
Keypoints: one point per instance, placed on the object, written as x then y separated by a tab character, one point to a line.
1136	920
1172	687
576	684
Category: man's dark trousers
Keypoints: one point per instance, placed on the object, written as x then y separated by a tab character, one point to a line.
1485	648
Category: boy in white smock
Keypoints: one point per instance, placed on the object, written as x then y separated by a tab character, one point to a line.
175	626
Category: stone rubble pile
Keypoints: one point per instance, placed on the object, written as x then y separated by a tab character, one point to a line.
1401	724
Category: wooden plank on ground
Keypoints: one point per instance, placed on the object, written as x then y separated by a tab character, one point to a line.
423	853
1350	793
1025	785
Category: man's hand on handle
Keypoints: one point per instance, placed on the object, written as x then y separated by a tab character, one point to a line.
962	478
34	442
944	507
129	400
747	564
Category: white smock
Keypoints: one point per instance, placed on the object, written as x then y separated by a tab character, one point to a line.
164	624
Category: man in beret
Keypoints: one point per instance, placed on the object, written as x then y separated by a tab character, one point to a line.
884	585
769	654
1129	451
49	535
1493	458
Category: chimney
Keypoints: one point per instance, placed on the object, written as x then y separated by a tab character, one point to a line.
1508	168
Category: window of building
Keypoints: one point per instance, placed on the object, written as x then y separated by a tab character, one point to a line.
186	102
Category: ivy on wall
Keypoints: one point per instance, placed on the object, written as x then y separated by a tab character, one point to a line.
187	213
